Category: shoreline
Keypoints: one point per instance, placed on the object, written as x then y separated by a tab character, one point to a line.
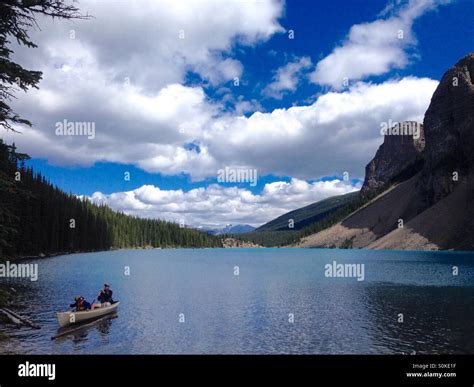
238	246
57	254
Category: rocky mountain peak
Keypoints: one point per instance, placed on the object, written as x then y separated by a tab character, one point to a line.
449	131
399	154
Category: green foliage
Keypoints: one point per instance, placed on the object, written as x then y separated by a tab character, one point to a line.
4	297
348	243
36	217
269	238
3	336
16	17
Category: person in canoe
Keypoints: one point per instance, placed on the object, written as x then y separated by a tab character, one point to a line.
105	295
80	304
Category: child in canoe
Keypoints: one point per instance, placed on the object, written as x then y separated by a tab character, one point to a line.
80	304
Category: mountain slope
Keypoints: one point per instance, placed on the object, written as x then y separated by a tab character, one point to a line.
307	215
444	225
374	220
434	207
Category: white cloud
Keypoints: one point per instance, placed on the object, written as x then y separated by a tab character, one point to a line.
374	48
242	106
127	78
339	132
156	42
286	78
148	122
216	206
220	72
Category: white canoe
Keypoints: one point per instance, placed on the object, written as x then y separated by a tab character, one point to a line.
70	318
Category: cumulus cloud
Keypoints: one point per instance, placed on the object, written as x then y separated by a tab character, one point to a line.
286	78
216	206
374	48
339	132
128	79
156	43
242	106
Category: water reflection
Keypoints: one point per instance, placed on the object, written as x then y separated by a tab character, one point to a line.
80	334
249	313
421	319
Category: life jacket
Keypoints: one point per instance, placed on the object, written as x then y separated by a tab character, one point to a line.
80	304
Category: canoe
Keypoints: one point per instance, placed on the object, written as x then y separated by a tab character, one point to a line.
70	318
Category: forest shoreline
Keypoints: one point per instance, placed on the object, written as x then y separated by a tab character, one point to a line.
226	243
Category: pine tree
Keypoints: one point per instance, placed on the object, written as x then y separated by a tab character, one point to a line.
35	217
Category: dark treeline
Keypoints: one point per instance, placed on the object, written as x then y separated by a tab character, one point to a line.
37	217
268	238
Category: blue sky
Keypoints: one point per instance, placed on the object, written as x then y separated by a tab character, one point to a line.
159	85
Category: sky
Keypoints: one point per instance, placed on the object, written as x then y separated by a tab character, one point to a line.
293	92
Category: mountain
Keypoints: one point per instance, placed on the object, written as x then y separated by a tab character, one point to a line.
399	157
306	220
310	214
424	195
232	229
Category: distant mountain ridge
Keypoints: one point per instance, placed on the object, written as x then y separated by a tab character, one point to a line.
232	229
305	216
305	221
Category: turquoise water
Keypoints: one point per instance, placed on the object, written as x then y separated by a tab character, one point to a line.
280	302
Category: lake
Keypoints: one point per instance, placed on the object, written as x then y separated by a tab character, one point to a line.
254	301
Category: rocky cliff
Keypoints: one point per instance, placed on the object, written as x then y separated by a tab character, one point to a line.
399	157
449	132
431	204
